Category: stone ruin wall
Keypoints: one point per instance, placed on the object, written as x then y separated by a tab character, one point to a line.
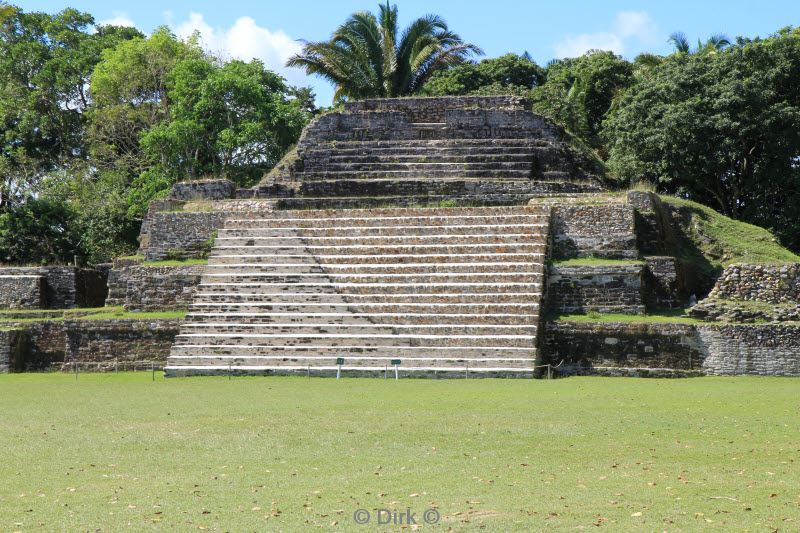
53	287
149	288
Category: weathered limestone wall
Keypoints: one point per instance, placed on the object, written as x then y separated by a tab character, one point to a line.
664	282
762	349
203	190
594	230
595	288
499	117
119	341
12	341
39	345
65	287
622	349
146	288
22	291
762	283
174	235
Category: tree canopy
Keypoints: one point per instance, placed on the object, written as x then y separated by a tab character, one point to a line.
98	120
722	129
367	56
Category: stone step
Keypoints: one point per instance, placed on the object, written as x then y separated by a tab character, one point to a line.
352	350
283	269
427	174
351	362
371	308
298	219
367	288
254	278
234	317
469	155
359	299
364	339
365	329
451	372
381	240
265	250
396	230
461	168
219	259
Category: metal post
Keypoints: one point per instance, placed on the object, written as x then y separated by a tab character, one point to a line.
76	370
385	371
308	371
153	368
466	369
549	372
230	371
396	372
338	371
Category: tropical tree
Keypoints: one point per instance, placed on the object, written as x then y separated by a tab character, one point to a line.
507	74
365	57
722	129
713	44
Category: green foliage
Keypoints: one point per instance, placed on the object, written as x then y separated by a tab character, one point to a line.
79	167
366	57
579	92
722	129
233	120
507	74
38	231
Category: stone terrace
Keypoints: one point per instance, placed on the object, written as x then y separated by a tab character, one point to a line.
453	147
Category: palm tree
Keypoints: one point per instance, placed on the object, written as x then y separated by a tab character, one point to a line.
365	58
713	44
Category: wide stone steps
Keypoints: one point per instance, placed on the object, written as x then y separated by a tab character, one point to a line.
250	278
219	259
375	231
221	270
380	240
469	155
355	318
388	338
459	167
453	171
365	328
411	309
453	289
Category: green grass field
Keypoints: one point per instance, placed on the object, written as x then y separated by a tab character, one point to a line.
113	452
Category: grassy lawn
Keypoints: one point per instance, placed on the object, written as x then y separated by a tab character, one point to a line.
117	451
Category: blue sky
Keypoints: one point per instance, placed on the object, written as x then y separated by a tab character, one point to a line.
547	29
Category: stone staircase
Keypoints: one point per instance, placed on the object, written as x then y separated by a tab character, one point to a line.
443	148
445	291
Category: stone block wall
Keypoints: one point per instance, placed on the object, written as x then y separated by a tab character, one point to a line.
146	288
203	190
12	341
119	341
761	283
595	230
39	345
66	287
22	291
622	349
595	288
431	118
180	234
761	349
664	282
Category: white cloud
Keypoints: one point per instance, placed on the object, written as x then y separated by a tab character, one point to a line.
629	28
120	18
246	40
